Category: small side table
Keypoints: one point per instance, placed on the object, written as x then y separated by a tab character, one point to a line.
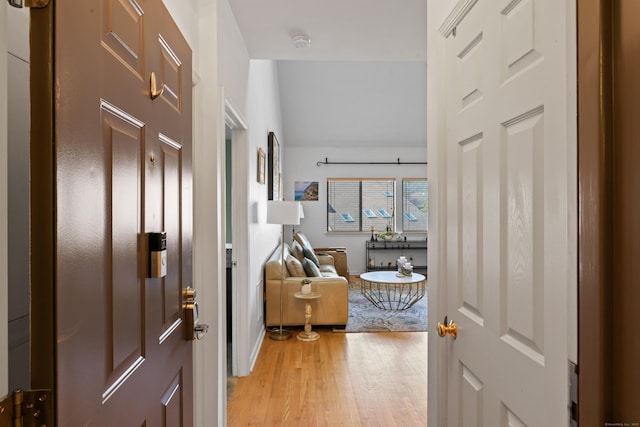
307	334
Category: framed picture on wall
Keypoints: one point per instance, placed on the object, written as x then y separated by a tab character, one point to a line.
306	190
275	171
262	166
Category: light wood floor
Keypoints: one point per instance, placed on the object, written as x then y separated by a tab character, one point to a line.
343	379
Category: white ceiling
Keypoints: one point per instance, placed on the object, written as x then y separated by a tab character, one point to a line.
362	82
347	103
340	30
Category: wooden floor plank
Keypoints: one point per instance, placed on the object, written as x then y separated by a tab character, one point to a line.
343	379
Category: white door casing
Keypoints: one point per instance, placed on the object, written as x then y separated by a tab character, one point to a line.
241	348
505	222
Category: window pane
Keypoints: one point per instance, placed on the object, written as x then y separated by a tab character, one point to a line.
359	204
378	199
343	206
415	205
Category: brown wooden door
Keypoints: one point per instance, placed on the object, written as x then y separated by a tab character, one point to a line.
122	169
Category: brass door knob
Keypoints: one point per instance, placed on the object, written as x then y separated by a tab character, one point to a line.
448	327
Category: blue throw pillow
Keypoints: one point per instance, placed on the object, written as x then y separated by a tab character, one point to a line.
308	253
310	268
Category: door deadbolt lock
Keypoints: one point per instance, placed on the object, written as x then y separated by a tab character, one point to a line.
193	329
448	327
158	254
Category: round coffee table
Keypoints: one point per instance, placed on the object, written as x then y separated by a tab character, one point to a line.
390	291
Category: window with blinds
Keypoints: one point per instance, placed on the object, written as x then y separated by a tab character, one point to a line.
360	204
415	204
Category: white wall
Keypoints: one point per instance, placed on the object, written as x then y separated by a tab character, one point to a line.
300	165
233	58
263	113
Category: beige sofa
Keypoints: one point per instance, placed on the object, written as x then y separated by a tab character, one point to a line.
332	308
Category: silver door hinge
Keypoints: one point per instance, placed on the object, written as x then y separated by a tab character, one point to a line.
29	3
33	408
573	394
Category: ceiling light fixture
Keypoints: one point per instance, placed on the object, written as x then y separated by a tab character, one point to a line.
301	42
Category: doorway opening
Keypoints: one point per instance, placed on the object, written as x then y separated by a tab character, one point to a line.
236	213
229	246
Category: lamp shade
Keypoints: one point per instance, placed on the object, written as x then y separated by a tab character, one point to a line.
283	212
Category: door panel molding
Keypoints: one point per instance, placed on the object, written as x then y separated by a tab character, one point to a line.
458	13
122	29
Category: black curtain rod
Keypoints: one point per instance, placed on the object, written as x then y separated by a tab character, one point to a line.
327	162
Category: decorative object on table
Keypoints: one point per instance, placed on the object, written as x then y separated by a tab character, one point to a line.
405	269
401	260
262	166
388	234
372	263
306	190
284	213
307	334
372	232
305	286
274	169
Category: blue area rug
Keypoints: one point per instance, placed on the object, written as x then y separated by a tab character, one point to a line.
365	317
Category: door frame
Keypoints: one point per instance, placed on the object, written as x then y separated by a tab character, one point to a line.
4	201
42	200
595	210
240	353
436	131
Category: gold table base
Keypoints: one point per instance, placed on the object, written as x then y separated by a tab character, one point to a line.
307	334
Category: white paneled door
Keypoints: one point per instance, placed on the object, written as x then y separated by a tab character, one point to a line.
507	224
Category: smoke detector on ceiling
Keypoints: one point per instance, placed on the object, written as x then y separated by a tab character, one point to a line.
301	42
